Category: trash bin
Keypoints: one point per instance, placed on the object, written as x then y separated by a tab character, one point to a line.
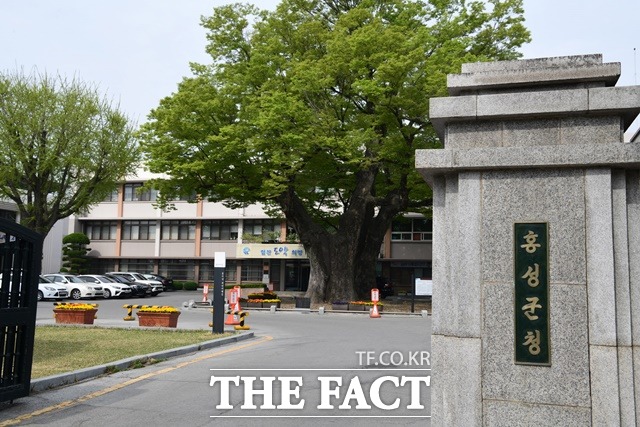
303	302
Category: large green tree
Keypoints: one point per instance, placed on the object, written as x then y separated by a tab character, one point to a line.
316	109
63	147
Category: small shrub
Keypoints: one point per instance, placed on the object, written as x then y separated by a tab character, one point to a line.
189	286
184	285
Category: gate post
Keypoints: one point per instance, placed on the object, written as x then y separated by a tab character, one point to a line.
536	308
20	264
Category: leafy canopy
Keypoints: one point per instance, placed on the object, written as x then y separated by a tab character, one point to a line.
64	148
313	97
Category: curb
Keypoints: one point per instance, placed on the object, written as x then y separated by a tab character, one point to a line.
423	313
53	381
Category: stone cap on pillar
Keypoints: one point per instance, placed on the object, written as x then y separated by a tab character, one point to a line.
571	86
620	155
485	77
542	113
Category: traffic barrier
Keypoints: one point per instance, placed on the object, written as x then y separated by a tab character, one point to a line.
130	308
234	307
375	297
205	292
374	311
241	316
238	291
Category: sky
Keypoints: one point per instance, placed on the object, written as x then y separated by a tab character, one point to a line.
137	51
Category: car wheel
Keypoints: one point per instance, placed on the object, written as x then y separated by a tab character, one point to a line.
153	294
40	296
106	293
76	294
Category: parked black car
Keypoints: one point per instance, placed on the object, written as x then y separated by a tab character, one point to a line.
166	282
137	289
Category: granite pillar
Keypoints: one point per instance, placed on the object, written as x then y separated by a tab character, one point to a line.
536	141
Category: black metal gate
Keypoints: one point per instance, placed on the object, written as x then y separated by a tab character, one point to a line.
20	263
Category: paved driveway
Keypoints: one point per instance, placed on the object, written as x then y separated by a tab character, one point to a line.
299	369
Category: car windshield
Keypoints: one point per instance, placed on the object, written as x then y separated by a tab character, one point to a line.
139	277
44	280
74	279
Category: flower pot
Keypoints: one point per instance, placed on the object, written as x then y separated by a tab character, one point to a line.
167	320
254	305
83	317
344	306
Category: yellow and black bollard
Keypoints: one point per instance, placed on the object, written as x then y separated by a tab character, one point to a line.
130	308
239	315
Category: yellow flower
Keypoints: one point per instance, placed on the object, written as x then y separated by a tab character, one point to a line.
158	309
75	306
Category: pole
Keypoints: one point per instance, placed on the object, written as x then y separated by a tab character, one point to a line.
218	299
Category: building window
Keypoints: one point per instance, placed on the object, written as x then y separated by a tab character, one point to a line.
206	271
412	229
178	230
136	265
100	230
192	197
133	192
264	229
138	230
101	265
251	270
112	197
220	230
177	269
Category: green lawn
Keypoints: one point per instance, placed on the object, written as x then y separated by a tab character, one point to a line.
64	349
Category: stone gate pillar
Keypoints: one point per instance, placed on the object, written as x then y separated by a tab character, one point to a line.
536	255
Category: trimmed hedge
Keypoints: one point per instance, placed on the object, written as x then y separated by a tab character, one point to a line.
184	285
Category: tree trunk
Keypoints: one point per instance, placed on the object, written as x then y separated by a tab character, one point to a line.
343	263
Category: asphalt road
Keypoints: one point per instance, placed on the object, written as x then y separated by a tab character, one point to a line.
301	368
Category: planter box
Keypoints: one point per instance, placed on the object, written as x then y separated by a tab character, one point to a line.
269	304
253	304
358	307
340	306
167	320
82	317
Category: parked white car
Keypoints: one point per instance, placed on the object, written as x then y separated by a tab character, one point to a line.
49	290
77	288
110	288
156	287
